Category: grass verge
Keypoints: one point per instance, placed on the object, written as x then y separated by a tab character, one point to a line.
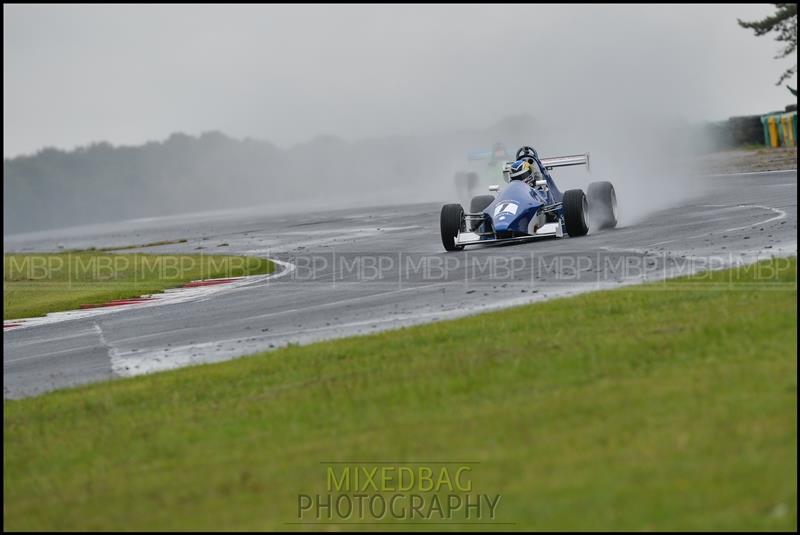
35	284
664	406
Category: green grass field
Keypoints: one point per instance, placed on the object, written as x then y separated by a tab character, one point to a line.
35	284
664	406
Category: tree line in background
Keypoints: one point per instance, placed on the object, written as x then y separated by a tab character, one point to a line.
55	188
101	182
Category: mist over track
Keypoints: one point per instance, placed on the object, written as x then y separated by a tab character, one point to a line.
364	270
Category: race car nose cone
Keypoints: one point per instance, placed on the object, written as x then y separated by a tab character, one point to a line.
502	222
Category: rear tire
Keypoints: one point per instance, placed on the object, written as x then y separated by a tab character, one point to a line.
451	223
480	202
602	205
575	212
476	206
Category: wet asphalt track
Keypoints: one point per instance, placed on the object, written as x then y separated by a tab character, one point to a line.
367	270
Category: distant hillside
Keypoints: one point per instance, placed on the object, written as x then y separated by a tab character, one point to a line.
55	188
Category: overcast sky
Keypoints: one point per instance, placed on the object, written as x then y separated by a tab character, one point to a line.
129	74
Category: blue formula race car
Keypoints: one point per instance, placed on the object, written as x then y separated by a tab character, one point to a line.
530	206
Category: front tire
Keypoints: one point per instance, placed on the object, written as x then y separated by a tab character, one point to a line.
451	223
575	212
602	205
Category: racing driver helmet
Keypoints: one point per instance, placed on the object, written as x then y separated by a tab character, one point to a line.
520	170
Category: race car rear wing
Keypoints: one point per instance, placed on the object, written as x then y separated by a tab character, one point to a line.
549	163
556	161
564	161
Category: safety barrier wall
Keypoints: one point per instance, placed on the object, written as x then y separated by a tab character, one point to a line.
779	129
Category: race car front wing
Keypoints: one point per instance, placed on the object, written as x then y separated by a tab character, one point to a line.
548	230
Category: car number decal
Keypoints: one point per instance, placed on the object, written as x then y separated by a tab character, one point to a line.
506	207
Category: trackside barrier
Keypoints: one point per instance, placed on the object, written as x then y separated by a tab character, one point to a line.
780	129
789	129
